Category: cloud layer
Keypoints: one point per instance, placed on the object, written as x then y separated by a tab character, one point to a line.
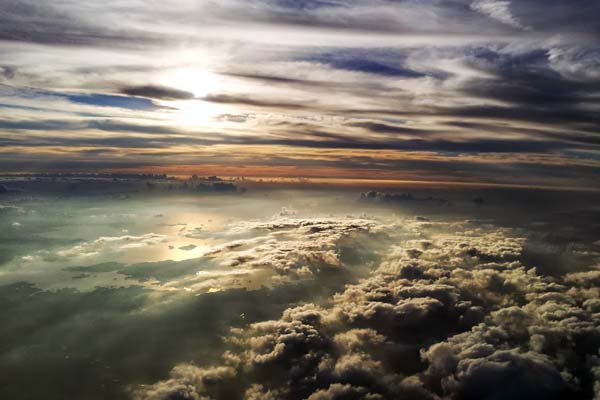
451	316
478	91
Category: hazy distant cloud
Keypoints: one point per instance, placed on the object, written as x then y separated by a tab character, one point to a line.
102	247
252	254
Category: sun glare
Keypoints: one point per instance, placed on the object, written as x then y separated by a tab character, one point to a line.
195	112
200	82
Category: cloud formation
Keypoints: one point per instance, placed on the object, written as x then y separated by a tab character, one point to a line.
157	92
278	252
496	90
462	318
498	10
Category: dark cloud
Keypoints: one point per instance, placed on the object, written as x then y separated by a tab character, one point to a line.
253	102
75	125
8	72
51	24
568	136
527	80
386	128
558	16
362	63
130	142
271	78
307	4
475	146
565	117
157	92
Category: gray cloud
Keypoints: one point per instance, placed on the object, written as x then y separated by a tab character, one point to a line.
391	129
45	23
252	102
157	92
522	71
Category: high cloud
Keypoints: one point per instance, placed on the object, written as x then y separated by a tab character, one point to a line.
467	90
498	10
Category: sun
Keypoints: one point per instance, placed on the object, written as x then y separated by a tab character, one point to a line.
197	81
200	82
190	113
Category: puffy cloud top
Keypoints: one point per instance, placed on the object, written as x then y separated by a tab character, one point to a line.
466	319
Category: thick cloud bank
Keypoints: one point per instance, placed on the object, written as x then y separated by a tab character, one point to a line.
449	316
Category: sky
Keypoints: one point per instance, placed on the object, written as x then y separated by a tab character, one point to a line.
477	91
300	199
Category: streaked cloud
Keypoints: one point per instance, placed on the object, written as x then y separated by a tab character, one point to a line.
463	79
498	10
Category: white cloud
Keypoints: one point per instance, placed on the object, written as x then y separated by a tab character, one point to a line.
498	10
495	325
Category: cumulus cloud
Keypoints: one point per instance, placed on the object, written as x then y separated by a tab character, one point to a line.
282	250
466	319
196	258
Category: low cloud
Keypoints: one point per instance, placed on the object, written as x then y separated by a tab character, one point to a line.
385	197
464	320
105	246
277	252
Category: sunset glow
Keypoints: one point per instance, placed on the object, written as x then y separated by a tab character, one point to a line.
300	200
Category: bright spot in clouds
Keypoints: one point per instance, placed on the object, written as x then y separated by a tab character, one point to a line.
197	81
192	113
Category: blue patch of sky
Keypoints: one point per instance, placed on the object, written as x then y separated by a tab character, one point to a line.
105	100
93	99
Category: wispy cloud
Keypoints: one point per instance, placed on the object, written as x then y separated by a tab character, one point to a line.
466	78
498	10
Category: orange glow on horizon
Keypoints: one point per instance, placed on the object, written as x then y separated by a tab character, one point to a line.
340	177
